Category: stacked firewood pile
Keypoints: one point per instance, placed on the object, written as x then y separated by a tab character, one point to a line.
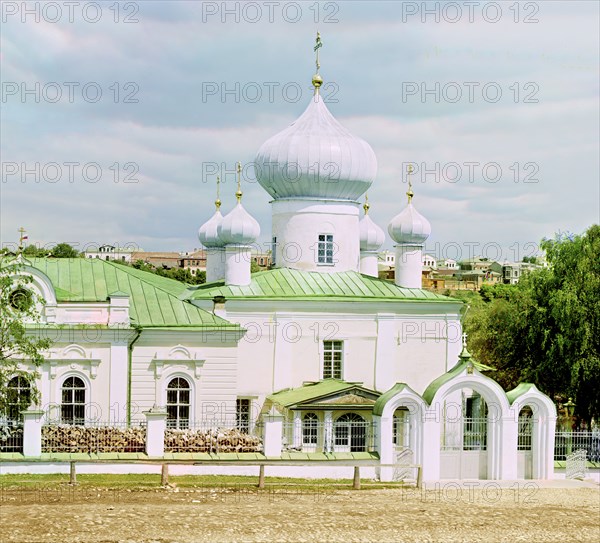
92	439
215	440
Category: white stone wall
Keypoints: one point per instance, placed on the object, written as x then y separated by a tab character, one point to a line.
206	360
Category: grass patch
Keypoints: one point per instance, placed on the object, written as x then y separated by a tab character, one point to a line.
140	482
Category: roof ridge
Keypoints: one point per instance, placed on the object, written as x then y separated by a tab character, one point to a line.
171	295
121	267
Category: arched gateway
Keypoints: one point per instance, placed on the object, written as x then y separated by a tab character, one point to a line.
465	426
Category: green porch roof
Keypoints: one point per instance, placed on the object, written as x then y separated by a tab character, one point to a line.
153	300
519	390
284	283
464	359
313	392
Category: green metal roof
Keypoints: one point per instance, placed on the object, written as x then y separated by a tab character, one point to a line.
153	300
519	390
313	392
385	397
285	283
464	359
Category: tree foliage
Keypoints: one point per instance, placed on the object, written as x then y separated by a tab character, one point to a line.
64	250
179	274
21	352
546	329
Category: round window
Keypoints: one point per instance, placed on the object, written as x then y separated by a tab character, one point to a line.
20	299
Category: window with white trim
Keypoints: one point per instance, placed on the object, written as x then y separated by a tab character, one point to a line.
310	429
325	249
333	355
178	403
242	414
72	407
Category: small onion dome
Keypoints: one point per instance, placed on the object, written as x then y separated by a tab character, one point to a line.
238	227
208	234
371	235
409	226
315	157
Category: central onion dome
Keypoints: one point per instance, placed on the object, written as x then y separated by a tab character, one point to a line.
409	226
371	235
316	157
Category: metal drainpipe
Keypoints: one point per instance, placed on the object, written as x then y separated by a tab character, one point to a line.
129	369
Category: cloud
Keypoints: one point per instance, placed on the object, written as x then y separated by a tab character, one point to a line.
177	97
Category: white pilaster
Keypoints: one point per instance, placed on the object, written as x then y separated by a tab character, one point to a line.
272	434
328	429
156	421
384	353
508	446
119	377
297	429
32	432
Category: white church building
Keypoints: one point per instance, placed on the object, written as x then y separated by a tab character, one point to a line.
352	365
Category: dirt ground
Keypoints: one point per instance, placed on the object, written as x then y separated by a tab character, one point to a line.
444	513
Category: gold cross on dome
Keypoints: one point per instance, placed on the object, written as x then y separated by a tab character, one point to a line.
218	200
238	194
410	192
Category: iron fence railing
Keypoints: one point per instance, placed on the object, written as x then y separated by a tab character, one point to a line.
566	443
11	437
347	436
525	433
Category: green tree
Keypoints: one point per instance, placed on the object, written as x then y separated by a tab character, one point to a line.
254	267
546	329
33	251
64	250
19	305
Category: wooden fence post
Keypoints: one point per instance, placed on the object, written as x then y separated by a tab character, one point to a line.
164	475
72	474
356	482
261	476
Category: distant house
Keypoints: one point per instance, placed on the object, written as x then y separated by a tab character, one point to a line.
110	252
513	271
158	259
194	261
263	260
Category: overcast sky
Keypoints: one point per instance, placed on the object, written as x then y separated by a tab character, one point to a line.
499	103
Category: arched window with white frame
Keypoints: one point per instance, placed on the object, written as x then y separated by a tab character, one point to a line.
178	403
73	398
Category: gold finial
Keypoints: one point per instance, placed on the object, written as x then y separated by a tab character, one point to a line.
410	192
22	238
366	207
317	80
238	193
218	200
